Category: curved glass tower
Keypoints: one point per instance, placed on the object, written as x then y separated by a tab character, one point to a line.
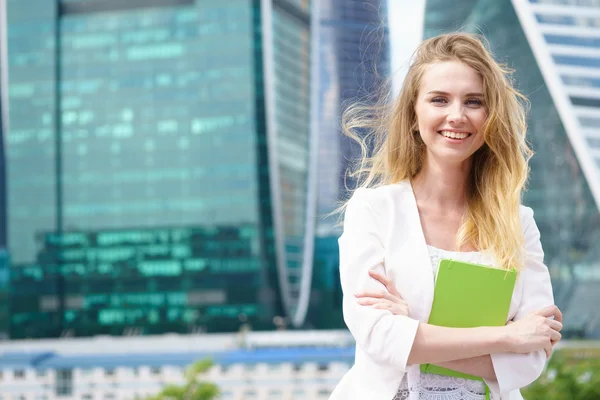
354	59
554	49
158	165
4	269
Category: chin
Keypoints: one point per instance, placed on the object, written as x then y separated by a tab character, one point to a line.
451	156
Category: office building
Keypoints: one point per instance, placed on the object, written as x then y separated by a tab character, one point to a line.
158	165
354	63
554	48
4	268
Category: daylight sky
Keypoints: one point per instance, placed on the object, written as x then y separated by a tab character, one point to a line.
406	31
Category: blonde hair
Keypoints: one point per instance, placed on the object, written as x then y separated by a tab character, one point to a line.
392	152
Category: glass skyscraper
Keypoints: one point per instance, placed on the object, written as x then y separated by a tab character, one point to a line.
4	269
354	61
158	165
554	49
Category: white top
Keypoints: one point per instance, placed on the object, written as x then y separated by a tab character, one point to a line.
439	387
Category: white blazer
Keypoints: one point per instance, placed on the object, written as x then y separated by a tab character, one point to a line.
382	232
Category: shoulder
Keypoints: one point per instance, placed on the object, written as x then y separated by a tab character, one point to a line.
382	196
531	233
527	220
378	204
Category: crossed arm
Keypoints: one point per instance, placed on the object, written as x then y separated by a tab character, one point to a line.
424	349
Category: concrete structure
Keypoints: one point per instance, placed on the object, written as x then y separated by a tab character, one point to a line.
270	366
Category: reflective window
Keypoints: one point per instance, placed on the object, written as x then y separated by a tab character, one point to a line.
578	61
581	81
572	40
160	219
590	122
594	142
582	3
556	19
585	101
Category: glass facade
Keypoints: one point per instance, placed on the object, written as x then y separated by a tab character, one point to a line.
292	92
558	191
354	62
140	188
4	267
575	50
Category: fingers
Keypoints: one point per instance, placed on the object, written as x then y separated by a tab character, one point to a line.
550	311
555	336
548	350
385	281
556	325
383	304
380	295
558	315
396	309
369	301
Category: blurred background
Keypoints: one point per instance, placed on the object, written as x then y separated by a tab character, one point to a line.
167	167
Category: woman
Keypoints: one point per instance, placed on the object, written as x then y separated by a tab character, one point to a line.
444	181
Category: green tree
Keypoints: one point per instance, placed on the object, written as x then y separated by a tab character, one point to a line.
194	388
567	378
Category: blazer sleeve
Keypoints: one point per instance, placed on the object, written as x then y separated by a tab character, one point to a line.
384	337
514	371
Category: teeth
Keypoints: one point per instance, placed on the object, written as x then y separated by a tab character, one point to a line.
455	135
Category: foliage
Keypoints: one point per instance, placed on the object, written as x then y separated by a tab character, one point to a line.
194	388
569	376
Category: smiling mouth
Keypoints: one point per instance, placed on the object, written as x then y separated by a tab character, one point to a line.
455	135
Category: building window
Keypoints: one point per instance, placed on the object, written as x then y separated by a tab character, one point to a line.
109	396
323	367
19	374
40	373
155	371
109	372
250	394
87	397
64	382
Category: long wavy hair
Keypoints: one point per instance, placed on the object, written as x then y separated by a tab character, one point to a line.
391	152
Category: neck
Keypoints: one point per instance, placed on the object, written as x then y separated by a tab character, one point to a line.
442	186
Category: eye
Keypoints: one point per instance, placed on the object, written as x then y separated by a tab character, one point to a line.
439	100
474	102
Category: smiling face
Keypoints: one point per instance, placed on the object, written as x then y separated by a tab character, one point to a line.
451	112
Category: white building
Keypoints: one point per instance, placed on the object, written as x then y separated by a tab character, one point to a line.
269	365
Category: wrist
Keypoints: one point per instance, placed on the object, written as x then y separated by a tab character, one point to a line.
499	339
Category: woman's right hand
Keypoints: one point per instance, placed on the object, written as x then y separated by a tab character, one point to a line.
535	331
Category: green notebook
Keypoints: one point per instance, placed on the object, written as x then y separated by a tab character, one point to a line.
466	296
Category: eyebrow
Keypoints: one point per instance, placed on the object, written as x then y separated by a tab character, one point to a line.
472	94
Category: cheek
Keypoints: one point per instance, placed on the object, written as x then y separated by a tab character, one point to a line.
428	118
478	119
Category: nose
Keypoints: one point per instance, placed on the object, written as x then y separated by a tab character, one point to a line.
456	114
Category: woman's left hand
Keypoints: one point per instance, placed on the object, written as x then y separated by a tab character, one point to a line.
390	300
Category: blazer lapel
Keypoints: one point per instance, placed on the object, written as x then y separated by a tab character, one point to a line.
411	263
